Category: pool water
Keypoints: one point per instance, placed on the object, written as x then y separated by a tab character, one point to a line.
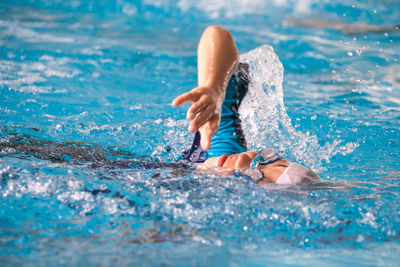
88	138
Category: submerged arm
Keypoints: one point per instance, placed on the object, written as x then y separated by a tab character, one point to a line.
217	59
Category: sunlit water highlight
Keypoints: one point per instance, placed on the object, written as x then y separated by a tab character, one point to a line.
88	139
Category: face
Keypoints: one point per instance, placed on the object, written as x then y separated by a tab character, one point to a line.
271	172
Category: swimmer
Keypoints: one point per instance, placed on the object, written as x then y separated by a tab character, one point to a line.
219	142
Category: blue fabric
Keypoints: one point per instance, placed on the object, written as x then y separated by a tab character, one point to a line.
227	140
230	138
195	154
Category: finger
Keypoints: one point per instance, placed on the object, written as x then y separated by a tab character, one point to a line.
213	124
197	107
243	162
184	98
230	162
202	118
251	154
210	126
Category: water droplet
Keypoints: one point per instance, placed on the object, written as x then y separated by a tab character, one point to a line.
350	54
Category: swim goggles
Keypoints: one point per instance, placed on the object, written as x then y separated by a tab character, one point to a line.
266	156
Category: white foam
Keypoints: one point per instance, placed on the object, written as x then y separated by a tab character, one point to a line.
26	76
234	8
129	9
30	35
264	116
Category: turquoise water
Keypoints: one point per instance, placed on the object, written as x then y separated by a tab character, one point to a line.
85	101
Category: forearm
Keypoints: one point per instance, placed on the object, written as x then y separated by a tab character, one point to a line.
217	59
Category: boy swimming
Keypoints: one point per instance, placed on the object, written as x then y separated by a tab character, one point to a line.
219	141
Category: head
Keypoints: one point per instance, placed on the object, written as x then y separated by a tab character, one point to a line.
242	161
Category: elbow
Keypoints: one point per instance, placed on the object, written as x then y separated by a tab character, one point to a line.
223	37
217	30
220	33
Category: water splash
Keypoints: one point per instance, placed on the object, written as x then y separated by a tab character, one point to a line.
265	120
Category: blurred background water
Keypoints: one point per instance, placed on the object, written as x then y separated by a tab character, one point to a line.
86	83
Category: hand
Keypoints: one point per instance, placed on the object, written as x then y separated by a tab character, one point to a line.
205	111
239	161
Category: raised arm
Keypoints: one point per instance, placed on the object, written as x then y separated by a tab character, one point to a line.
217	59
